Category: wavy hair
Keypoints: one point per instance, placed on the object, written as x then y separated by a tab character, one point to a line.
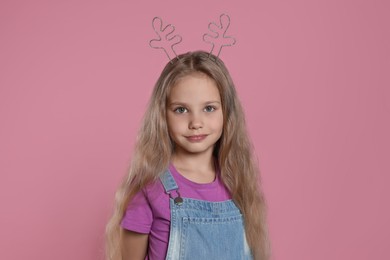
234	151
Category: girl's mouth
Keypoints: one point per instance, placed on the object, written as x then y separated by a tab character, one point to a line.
196	138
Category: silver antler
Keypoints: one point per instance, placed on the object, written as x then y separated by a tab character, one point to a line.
166	40
217	37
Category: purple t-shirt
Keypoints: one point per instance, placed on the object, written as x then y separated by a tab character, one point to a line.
149	213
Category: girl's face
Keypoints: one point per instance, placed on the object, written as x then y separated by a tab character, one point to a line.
194	115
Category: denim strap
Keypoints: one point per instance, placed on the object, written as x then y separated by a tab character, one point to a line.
168	182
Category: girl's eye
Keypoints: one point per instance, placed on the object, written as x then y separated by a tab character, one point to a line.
180	110
209	109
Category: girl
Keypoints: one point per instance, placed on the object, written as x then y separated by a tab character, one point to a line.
193	182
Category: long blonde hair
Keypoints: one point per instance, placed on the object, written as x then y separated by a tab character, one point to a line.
153	150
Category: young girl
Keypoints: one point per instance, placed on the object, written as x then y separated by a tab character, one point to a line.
192	189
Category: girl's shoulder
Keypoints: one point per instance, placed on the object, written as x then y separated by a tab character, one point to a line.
154	190
147	204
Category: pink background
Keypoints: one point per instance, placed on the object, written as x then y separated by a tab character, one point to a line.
313	77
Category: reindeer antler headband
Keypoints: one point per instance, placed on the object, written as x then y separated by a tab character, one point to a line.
167	39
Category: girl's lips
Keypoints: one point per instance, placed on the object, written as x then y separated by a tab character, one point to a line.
196	138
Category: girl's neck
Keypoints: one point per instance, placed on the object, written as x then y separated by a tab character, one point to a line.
197	168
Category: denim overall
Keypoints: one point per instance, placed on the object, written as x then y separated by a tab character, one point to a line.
202	229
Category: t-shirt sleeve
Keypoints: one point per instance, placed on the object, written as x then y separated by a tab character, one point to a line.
138	216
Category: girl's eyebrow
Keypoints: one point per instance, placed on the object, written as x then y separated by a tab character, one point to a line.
185	104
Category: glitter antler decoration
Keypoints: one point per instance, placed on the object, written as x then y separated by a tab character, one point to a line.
166	40
217	37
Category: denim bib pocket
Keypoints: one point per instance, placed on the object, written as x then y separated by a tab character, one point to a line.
211	238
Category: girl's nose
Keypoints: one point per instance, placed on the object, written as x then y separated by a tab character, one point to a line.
195	122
